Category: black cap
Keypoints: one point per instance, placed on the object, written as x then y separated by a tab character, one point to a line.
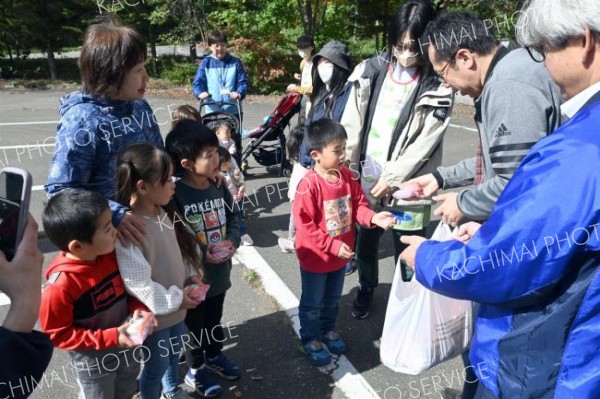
337	53
305	41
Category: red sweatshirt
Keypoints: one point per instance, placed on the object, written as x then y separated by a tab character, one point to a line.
84	302
325	214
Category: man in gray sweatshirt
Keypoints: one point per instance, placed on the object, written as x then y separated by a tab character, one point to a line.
516	104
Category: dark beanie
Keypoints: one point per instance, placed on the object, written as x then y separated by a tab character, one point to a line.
337	53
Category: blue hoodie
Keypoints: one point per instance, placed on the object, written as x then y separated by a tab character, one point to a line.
91	134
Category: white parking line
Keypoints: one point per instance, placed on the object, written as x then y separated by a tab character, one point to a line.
345	376
18	147
463	127
4	300
29	123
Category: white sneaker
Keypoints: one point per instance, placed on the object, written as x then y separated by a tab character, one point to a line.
246	240
180	394
286	245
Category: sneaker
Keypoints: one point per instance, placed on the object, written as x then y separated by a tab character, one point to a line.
350	267
203	383
286	245
222	367
246	240
315	352
362	302
334	343
180	394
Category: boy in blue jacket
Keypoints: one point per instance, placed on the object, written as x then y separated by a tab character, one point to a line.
220	76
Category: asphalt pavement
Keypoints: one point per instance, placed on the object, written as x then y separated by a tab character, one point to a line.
259	319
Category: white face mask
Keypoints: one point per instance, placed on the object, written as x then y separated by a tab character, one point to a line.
325	72
302	53
406	58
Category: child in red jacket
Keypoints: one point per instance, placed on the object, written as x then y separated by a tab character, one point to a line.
328	202
84	304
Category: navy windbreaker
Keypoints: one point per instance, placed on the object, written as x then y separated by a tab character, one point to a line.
534	268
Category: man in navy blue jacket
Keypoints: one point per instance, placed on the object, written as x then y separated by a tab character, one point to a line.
534	266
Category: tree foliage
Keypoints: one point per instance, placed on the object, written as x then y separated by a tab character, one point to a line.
261	32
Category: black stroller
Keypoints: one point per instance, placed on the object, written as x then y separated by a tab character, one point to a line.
272	130
213	119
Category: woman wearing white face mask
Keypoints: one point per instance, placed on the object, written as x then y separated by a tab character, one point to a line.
395	117
331	68
306	50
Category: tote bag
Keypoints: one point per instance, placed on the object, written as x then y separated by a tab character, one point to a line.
423	328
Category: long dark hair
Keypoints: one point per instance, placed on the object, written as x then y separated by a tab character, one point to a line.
151	164
338	81
412	19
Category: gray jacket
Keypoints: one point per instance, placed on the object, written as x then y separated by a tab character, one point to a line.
518	106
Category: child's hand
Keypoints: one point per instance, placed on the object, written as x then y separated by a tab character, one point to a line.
292	87
195	279
187	302
385	220
204	95
123	338
297	76
345	252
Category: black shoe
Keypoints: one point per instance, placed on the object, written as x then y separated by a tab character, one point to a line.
362	302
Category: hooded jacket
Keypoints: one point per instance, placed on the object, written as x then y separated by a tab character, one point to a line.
90	135
83	303
534	266
417	140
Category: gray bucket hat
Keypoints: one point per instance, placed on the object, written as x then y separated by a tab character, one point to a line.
337	53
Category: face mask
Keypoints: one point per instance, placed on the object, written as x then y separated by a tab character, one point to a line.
325	73
406	58
302	53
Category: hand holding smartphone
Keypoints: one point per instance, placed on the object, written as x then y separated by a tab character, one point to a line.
15	194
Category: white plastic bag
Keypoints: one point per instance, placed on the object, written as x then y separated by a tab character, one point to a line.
423	328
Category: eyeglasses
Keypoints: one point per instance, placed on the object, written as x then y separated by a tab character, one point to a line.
442	74
409	46
537	52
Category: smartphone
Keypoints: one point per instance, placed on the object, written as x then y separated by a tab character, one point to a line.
15	192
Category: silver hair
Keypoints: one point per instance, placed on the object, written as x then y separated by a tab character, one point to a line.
553	22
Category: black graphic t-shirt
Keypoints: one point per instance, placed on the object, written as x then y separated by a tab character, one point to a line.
213	215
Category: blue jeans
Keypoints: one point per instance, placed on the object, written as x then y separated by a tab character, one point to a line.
164	347
319	303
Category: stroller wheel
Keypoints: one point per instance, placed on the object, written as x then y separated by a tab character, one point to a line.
287	172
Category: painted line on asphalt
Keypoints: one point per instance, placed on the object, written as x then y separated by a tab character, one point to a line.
4	300
29	123
464	127
345	375
18	147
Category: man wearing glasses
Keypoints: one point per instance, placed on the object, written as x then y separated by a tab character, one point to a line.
516	104
537	328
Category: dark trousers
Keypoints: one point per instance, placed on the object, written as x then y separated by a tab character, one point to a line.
206	331
319	303
367	252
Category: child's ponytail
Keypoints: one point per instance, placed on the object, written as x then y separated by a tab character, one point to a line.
153	165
